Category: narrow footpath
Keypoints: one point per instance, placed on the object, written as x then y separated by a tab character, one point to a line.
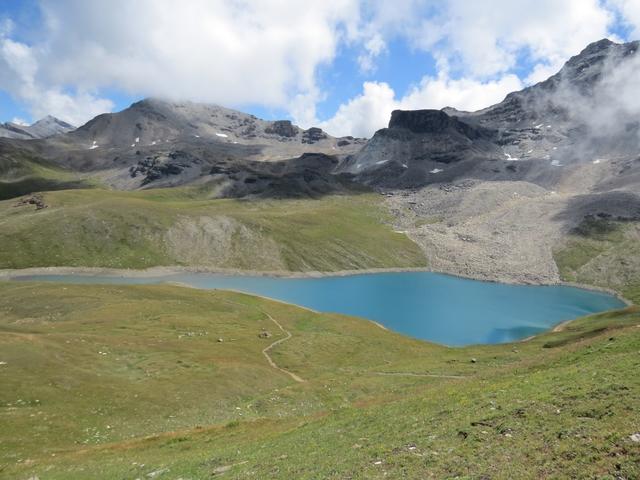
265	351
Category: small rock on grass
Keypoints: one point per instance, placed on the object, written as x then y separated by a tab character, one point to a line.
635	437
223	469
157	473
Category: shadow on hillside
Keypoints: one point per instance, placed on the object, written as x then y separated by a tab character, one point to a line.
616	205
308	176
31	185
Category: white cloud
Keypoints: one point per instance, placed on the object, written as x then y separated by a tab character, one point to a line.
613	104
542	71
463	94
19	71
629	10
233	52
230	52
373	47
488	38
17	58
75	108
364	114
371	110
381	21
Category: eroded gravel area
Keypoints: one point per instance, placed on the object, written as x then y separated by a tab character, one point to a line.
499	231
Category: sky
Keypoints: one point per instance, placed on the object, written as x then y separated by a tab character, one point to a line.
343	65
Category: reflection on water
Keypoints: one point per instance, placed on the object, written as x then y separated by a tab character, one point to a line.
502	335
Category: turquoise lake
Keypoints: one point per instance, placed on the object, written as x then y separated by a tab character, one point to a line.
425	305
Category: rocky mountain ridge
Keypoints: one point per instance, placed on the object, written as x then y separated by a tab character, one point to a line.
158	143
43	128
542	135
580	115
153	121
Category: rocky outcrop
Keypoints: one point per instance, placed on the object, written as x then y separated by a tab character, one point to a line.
160	166
434	121
36	200
417	146
154	122
585	70
49	126
283	128
313	135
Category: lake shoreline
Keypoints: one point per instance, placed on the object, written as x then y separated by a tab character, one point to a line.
8	274
235	279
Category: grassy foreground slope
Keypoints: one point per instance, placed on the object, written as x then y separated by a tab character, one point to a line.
168	382
101	228
603	252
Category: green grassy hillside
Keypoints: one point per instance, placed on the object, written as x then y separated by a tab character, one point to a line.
603	252
169	382
21	174
100	228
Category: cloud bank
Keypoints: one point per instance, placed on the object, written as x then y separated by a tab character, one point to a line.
269	52
231	52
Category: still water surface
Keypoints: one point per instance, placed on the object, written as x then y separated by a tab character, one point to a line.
425	305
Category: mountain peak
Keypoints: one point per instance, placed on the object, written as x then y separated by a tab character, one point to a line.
151	102
601	44
53	121
586	68
45	127
156	126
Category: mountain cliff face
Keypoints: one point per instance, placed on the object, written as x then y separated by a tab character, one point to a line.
418	144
